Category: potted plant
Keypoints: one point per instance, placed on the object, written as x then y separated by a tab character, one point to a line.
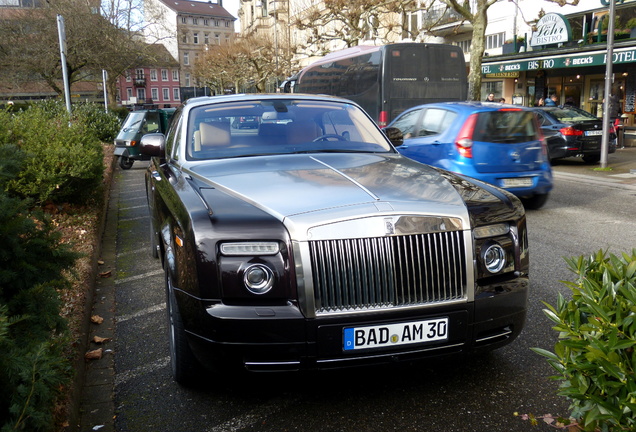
509	46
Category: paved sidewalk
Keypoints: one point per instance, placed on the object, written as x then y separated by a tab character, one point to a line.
621	168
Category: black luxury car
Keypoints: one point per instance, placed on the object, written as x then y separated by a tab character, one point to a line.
572	132
310	243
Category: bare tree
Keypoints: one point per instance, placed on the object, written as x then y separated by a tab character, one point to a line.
110	40
245	62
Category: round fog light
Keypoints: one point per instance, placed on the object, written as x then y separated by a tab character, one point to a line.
494	258
258	279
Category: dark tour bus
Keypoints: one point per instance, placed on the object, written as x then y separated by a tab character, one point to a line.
386	80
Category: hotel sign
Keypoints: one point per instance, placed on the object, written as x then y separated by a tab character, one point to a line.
552	28
591	58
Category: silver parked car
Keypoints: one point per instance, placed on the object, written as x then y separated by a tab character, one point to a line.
309	242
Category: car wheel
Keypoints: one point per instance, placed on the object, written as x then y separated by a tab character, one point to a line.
126	162
535	202
185	367
591	159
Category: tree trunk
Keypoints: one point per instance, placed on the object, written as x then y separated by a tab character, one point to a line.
477	51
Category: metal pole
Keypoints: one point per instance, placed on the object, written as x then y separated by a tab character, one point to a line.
609	80
104	80
62	36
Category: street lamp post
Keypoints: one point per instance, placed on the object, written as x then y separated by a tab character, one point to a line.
609	80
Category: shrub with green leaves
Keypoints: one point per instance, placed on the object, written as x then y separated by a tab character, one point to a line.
595	354
103	125
63	158
32	332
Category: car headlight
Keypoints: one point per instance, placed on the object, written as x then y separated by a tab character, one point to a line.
491	230
258	278
493	257
250	248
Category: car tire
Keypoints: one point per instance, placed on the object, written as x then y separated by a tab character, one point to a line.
591	159
535	202
126	162
185	367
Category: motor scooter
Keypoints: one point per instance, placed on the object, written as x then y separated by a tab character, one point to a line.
137	124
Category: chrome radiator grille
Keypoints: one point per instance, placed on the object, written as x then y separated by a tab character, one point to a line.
385	272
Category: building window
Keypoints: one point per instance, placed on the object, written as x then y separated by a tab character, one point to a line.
217	39
206	38
206	22
141	94
164	74
184	20
154	94
195	21
495	40
153	74
139	74
227	23
128	77
175	94
184	39
186	80
175	75
186	58
195	38
216	23
166	94
464	45
129	93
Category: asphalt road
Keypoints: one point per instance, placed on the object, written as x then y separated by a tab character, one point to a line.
130	388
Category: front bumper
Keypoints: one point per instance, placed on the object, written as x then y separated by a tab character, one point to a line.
280	338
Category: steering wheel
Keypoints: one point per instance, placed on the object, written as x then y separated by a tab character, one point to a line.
327	136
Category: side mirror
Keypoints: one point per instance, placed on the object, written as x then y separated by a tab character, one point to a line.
394	135
153	144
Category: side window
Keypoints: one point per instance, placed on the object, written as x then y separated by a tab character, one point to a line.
173	136
543	121
407	122
435	121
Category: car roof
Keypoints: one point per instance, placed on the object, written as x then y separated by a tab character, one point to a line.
470	106
204	100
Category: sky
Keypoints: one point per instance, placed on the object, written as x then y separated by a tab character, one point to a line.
232	7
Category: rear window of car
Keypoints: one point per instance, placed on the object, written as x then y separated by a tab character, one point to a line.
572	115
503	126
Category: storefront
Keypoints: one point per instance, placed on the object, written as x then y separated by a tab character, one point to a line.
576	74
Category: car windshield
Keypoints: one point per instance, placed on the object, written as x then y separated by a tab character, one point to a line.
249	128
505	126
572	115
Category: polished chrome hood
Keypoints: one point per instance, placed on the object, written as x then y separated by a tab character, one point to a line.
293	184
290	185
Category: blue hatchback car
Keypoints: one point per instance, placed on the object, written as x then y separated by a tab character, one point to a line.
495	143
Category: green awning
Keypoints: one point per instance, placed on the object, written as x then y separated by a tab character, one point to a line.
590	58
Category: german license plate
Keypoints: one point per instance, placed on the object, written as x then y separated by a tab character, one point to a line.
388	335
593	133
517	182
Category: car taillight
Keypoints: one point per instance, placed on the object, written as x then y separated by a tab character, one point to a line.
383	119
570	131
464	142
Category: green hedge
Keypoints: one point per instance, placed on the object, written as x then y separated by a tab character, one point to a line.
595	355
63	154
32	333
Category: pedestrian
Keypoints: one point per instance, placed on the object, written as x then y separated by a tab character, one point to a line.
541	102
490	98
502	100
552	100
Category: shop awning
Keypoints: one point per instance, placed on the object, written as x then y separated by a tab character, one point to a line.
570	60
